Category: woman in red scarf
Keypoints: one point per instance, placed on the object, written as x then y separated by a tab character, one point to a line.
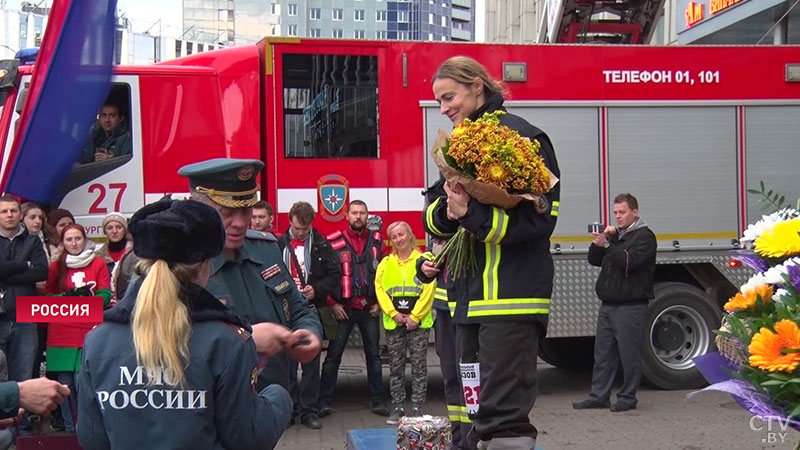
77	272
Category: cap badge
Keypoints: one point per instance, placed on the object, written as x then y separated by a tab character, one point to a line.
245	173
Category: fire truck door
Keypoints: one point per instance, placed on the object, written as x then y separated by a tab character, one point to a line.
97	187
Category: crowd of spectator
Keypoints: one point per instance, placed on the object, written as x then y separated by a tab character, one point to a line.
47	253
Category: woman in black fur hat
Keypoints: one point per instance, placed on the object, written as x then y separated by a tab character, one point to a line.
171	366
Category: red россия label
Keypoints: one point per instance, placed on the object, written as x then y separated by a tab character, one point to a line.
60	309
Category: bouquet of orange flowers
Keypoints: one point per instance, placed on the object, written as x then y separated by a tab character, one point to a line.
496	166
760	337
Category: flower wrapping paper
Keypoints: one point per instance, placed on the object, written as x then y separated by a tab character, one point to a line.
424	433
483	192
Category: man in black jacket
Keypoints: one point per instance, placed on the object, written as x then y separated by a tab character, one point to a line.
22	264
316	270
626	255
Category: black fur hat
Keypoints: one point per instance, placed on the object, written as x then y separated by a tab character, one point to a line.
179	231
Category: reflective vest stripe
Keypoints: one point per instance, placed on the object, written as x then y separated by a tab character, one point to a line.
492	244
452	306
508	306
440	294
458	413
429	219
499	226
405	291
490	271
554	209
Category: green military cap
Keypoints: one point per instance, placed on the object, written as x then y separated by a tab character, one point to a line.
227	182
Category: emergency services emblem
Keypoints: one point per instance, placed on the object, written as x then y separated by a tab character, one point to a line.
254	378
333	190
245	173
286	311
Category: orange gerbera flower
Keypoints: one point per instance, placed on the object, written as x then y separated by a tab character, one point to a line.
766	347
748	299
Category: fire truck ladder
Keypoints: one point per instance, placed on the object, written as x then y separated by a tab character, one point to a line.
609	21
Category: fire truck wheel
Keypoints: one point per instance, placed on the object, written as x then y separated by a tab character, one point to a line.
575	353
680	326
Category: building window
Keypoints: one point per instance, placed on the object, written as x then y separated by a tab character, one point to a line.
337	14
430	37
402	35
336	32
291	30
402	16
359	34
431	18
222	15
276	9
292	9
331	108
358	15
380	16
381	34
444	21
276	31
23	30
316	32
315	13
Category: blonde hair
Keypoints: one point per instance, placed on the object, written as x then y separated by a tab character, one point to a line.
466	70
161	326
399	224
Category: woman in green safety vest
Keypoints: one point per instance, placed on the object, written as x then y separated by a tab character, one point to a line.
406	304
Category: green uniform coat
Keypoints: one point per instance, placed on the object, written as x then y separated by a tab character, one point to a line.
258	287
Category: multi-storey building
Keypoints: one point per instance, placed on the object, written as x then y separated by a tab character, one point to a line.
239	21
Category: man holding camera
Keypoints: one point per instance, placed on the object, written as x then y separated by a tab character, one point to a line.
626	255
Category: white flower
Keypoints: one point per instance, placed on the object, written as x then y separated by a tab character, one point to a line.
776	275
779	295
754	281
766	223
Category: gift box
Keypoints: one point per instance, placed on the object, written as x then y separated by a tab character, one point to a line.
423	433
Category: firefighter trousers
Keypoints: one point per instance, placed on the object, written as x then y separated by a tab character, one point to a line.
445	339
507	353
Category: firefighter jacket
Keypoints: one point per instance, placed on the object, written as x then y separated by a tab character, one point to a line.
400	291
358	270
514	277
441	299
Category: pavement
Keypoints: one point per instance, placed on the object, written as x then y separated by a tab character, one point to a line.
663	419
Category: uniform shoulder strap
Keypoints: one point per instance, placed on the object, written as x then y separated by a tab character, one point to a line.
240	331
261	236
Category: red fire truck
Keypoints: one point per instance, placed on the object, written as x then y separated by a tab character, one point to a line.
685	129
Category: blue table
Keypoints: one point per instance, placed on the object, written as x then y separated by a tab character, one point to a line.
376	439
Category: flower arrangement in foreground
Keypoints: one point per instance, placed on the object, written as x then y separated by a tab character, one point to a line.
760	337
496	166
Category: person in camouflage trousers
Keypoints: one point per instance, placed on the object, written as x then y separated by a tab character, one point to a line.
399	341
406	303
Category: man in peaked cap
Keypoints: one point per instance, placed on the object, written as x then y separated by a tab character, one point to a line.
249	276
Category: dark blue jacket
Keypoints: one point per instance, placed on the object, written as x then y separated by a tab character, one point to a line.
16	278
218	407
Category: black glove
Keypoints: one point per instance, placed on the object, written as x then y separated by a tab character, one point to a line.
83	291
